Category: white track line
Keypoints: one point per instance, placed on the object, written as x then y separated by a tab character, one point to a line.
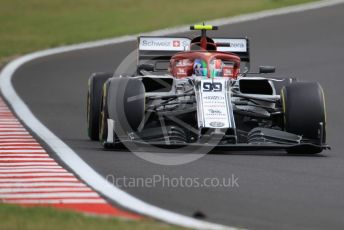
80	167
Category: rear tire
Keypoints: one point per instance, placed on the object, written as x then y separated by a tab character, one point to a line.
94	95
304	109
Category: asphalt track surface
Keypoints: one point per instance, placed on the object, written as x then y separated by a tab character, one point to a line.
276	191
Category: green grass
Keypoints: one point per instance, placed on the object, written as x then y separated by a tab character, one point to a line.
14	217
29	25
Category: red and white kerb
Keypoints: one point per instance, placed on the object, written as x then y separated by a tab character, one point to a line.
29	176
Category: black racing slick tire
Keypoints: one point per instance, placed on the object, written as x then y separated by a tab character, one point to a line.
304	110
94	95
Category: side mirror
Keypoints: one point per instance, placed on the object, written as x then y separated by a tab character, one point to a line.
146	67
267	69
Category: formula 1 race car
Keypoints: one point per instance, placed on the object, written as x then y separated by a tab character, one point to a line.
200	92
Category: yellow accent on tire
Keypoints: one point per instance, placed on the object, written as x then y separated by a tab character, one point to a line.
323	94
102	115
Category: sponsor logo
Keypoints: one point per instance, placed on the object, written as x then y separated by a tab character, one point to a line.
234	45
214	97
176	43
156	43
164	44
213	111
216	124
237	45
185	43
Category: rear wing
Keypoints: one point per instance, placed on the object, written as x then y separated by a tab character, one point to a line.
156	50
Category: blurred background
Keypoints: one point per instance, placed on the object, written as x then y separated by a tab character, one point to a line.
32	25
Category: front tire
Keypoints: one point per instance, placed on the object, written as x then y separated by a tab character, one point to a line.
304	110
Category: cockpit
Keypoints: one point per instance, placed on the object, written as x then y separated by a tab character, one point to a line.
205	64
204	60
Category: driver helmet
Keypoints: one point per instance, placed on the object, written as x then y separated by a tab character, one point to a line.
216	68
200	68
